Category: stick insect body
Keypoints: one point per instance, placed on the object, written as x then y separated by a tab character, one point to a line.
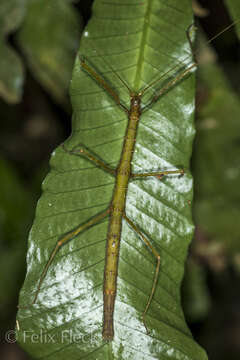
116	210
123	174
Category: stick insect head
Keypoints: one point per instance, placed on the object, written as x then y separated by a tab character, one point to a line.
135	99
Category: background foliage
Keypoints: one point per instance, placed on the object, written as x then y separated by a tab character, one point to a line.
35	120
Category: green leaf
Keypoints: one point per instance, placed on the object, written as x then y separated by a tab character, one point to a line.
11	75
216	160
49	39
216	155
141	40
11	69
15	210
196	298
234	9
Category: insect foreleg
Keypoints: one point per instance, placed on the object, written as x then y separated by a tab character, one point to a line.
83	152
61	242
157	256
188	34
158	174
102	83
169	85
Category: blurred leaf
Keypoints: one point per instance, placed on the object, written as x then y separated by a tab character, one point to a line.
11	69
49	39
139	45
11	15
11	74
234	9
15	212
196	299
216	159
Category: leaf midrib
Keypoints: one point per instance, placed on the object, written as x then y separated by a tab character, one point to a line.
143	42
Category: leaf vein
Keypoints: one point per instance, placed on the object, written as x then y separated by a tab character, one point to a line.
72	211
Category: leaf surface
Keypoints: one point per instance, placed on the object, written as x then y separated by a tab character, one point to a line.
141	40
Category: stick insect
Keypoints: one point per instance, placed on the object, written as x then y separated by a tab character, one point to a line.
123	175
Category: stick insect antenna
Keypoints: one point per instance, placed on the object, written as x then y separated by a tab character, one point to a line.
223	31
110	66
162	76
187	57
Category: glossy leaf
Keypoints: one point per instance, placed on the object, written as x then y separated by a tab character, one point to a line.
141	41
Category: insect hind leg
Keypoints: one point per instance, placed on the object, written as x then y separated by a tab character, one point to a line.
155	279
61	242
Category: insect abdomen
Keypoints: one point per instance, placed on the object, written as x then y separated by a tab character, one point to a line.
115	225
111	267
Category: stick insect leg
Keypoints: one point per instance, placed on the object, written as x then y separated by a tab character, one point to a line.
102	83
158	174
171	83
188	31
178	78
62	241
157	256
83	152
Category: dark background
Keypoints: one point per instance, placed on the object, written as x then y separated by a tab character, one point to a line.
31	129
